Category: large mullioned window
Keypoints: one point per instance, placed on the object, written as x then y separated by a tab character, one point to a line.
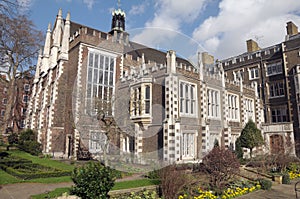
276	89
274	68
233	107
213	103
100	83
140	100
187	96
188	145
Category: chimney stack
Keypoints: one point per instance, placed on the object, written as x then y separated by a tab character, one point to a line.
252	46
291	28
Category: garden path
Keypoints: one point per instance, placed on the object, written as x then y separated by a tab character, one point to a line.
25	190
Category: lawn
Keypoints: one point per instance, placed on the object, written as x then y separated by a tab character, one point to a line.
6	178
43	161
118	185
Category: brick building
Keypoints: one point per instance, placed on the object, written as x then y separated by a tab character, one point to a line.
21	101
274	70
100	93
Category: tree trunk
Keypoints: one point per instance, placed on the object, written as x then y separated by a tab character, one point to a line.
11	94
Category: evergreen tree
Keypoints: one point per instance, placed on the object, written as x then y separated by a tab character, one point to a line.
251	137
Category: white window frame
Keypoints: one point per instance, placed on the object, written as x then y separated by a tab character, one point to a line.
140	105
188	99
188	145
22	111
27	100
253	73
4	101
233	107
101	88
274	68
22	124
280	112
213	103
249	109
2	113
26	87
276	89
95	137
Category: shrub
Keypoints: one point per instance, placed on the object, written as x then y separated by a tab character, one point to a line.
221	165
286	179
265	184
92	181
32	147
173	181
28	142
13	138
153	174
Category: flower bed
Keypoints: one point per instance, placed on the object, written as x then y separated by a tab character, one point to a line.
227	194
294	175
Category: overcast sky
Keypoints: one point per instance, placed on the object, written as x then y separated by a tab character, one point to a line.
219	27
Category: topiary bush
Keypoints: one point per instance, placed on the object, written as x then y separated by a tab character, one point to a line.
28	142
286	179
92	181
265	184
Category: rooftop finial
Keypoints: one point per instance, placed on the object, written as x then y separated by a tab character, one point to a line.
119	4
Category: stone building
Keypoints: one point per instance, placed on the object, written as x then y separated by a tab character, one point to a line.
100	94
21	101
274	71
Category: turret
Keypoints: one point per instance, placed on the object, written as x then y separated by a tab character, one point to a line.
118	20
46	54
57	34
65	39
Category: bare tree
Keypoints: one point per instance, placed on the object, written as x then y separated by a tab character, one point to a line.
8	7
221	165
19	44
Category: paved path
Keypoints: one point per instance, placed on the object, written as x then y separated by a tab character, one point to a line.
278	191
25	190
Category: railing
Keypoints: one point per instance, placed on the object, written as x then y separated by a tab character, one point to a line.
282	127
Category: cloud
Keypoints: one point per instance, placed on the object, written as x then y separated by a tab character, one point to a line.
137	9
89	3
168	18
237	21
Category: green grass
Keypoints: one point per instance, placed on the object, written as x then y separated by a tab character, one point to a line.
118	185
52	194
43	161
135	183
6	178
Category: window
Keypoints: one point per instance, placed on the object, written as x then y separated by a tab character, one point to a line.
249	109
188	145
141	100
4	101
279	114
233	107
147	99
23	111
213	103
22	124
100	82
5	90
26	87
2	113
25	98
253	73
187	93
276	89
274	68
97	141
